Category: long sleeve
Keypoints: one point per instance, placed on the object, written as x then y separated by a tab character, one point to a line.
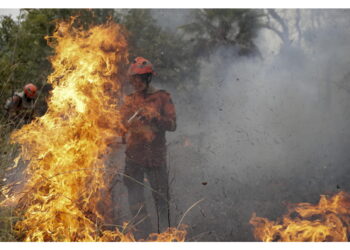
126	111
167	120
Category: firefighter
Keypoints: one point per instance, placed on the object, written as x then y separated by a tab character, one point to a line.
147	114
20	107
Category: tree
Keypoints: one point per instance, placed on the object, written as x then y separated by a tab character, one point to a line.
215	28
7	40
169	53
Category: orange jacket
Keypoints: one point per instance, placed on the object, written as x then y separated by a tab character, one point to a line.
145	138
20	108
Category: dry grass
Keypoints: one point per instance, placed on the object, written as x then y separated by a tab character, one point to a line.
7	222
8	152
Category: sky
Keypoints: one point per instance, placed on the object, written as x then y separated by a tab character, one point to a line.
13	12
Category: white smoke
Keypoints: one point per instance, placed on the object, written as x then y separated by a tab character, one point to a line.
265	131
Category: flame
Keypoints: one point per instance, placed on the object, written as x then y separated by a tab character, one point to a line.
329	220
66	195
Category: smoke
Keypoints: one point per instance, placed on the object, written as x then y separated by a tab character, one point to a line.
261	133
171	19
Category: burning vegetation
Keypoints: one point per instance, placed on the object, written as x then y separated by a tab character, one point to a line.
329	220
66	195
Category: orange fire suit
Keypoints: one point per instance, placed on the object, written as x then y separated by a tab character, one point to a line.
19	108
146	152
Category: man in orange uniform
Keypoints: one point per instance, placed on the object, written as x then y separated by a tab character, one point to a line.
147	114
20	107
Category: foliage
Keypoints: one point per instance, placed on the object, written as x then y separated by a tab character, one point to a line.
24	51
167	51
24	54
7	220
214	28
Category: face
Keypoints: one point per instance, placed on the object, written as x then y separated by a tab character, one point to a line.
138	84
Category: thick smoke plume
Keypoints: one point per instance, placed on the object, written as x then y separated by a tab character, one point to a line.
263	132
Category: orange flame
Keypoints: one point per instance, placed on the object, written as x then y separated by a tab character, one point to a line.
66	192
329	220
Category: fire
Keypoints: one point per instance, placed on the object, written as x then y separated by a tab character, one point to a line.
66	194
329	220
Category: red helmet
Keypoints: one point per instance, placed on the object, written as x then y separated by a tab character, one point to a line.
30	90
140	66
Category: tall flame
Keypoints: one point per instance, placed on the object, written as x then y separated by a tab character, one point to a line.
329	220
66	190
